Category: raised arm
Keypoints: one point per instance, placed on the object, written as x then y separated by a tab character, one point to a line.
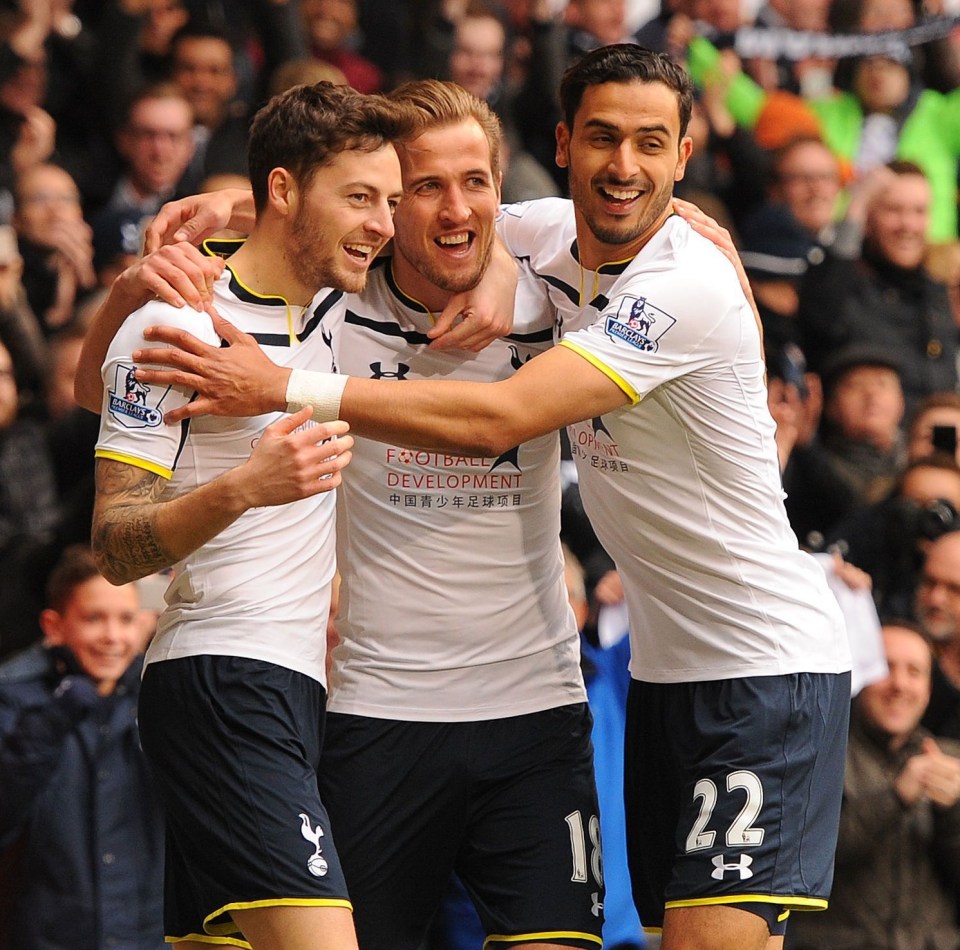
199	216
470	321
550	391
135	533
178	274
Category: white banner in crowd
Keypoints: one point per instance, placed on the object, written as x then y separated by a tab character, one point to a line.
759	43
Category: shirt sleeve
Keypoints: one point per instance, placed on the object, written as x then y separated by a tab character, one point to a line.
524	225
665	326
132	429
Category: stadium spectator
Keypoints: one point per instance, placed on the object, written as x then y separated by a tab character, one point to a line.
78	813
882	294
860	452
331	29
898	854
938	611
55	243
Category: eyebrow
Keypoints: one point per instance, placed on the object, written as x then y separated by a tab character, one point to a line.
436	176
613	127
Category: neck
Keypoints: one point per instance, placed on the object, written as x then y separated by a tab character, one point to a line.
594	253
418	287
263	265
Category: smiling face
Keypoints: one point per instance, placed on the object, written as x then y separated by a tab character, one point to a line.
445	223
898	218
624	153
202	67
101	625
808	183
895	704
938	593
157	142
343	218
476	62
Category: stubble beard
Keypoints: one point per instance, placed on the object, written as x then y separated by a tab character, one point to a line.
626	232
451	281
319	269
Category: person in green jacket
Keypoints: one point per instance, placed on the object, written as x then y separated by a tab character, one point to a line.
886	115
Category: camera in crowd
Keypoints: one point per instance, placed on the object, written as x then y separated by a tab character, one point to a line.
927	522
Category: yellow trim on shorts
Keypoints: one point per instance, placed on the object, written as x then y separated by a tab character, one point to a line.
205	938
135	462
630	392
546	935
789	903
221	933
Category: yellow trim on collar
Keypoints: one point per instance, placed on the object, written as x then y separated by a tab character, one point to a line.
419	303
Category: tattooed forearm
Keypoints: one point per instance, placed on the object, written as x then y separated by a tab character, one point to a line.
125	539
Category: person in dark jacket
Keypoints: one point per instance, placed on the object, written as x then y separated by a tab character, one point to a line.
884	297
898	855
81	835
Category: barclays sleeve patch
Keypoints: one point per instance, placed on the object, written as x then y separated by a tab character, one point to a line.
638	324
133	404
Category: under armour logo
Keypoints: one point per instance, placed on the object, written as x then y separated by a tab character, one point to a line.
316	863
379	372
600	426
742	867
597	904
516	360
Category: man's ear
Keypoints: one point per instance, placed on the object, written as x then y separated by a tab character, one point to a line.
685	150
563	145
51	623
283	192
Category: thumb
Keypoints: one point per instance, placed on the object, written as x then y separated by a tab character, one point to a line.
446	318
196	228
929	746
287	424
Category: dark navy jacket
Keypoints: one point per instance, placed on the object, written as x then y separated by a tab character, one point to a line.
77	811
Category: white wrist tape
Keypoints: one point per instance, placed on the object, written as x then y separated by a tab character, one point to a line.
323	391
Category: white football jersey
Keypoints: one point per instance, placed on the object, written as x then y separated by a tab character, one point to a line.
261	588
453	604
683	486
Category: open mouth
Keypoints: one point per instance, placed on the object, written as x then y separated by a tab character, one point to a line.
361	253
457	244
619	199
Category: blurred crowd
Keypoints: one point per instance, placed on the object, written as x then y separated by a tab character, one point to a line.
827	137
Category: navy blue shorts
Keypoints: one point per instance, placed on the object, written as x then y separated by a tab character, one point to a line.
234	746
509	804
732	792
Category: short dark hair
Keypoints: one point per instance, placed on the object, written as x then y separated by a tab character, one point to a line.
903	166
201	29
75	567
304	127
625	63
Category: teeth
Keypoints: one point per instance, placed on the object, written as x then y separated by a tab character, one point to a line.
360	248
623	195
453	239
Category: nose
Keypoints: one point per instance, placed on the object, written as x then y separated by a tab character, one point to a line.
455	209
381	220
623	162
